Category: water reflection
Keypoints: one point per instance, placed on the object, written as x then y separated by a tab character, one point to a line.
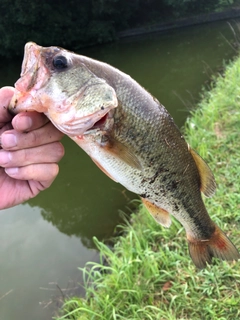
35	255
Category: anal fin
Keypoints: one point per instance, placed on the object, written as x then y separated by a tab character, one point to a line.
208	184
159	214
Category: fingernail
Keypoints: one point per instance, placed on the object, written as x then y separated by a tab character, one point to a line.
9	140
5	157
11	171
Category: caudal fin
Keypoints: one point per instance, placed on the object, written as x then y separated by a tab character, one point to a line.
218	246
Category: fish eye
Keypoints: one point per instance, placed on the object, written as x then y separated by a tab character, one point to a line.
60	62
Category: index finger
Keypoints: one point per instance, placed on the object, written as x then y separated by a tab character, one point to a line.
6	94
27	121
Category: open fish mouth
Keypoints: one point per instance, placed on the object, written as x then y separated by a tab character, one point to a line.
99	124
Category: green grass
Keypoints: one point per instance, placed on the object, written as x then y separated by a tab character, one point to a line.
149	275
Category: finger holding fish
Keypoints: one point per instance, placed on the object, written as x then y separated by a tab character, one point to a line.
39	175
24	157
28	121
15	140
24	172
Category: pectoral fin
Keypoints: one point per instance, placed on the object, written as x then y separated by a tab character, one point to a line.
124	153
119	151
159	214
208	184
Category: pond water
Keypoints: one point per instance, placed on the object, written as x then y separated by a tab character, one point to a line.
46	240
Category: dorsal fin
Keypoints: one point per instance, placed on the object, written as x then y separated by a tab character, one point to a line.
160	215
208	184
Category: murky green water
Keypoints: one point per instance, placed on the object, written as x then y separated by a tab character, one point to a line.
44	241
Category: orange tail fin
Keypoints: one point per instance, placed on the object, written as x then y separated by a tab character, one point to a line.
218	246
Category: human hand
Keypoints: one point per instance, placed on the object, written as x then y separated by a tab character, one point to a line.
29	152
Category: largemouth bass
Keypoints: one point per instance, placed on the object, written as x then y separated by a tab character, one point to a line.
129	135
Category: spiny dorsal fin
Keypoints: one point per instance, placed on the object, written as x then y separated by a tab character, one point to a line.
208	184
160	215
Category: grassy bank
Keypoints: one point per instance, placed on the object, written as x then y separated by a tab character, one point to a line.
150	274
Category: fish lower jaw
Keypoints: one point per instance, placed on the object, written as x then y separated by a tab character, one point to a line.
78	128
68	130
82	125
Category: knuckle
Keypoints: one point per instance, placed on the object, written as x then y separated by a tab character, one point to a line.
34	137
28	139
24	156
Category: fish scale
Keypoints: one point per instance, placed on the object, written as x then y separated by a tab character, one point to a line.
129	135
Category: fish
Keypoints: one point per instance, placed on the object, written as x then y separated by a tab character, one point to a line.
129	135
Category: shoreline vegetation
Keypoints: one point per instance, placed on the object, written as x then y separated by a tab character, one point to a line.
231	13
149	274
74	26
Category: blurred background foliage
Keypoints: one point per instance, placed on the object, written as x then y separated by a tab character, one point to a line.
77	23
